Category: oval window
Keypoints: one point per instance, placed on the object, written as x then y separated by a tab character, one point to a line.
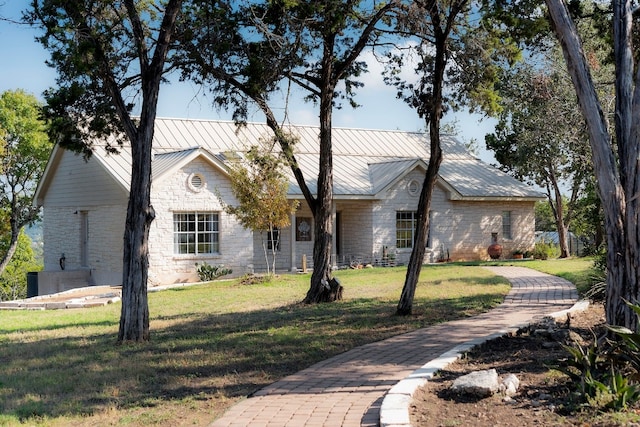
196	182
413	187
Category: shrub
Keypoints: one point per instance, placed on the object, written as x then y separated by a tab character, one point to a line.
607	375
208	273
544	250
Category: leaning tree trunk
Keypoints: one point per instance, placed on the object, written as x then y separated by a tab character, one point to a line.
405	305
622	281
13	245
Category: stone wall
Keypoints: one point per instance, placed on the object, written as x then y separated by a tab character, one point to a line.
174	194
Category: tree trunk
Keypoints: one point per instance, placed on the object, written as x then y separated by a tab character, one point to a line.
405	305
622	262
558	211
134	317
13	245
433	115
319	289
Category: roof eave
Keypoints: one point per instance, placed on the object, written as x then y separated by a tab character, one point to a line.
337	197
43	184
461	198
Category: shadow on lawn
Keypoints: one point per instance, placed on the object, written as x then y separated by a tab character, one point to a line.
216	356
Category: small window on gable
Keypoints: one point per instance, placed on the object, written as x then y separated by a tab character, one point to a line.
413	187
196	182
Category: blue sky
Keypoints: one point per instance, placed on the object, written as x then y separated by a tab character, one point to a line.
24	68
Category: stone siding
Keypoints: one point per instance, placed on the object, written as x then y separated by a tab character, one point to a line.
174	195
460	230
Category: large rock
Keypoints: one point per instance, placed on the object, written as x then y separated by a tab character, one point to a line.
510	385
479	383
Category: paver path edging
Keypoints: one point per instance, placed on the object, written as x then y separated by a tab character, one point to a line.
348	389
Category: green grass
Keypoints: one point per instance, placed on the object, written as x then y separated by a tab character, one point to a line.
211	344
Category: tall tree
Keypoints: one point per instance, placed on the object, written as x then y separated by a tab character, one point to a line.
317	45
616	167
111	57
23	157
540	120
451	53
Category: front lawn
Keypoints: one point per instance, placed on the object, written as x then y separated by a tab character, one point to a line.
211	345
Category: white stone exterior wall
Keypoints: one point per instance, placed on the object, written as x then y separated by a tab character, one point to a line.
356	231
459	229
396	198
61	235
465	228
174	195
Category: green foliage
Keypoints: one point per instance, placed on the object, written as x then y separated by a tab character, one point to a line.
545	250
260	187
13	280
545	221
209	273
607	374
25	149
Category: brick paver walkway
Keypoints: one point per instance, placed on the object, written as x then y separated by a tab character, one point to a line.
347	389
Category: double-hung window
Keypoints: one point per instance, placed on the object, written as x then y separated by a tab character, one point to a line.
196	233
506	225
405	229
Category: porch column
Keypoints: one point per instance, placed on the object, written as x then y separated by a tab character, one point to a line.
334	256
292	254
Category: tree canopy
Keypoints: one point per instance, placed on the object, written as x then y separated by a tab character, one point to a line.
24	151
313	45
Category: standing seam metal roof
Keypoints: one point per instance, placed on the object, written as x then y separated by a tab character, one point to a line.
365	161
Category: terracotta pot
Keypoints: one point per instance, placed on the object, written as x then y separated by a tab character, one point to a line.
518	256
494	250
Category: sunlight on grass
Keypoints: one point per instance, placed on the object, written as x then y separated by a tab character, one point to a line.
211	344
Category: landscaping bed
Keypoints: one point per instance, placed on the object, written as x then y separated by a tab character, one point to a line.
545	396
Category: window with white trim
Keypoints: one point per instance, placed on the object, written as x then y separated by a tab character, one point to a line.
405	229
506	225
196	233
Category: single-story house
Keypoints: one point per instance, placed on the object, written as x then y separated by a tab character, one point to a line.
377	182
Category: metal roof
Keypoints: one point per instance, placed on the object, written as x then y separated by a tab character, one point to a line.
365	161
